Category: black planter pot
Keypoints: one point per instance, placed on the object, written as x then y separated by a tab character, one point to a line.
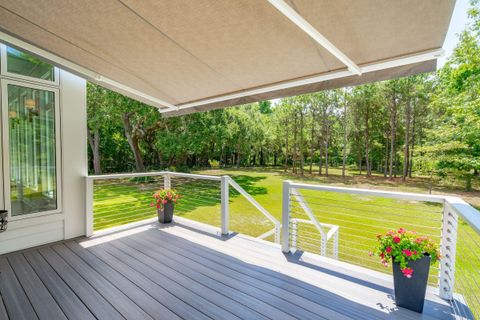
165	215
410	292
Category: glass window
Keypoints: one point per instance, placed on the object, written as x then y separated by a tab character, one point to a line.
26	65
31	123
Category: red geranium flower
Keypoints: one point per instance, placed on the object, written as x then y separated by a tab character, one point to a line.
396	239
407	272
407	252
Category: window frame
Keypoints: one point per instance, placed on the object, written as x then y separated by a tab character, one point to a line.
6	146
4	70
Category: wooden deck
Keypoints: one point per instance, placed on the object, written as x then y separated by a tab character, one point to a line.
184	271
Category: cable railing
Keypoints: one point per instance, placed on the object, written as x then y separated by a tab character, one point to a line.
118	199
342	223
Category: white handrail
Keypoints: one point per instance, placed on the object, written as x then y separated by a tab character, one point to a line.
152	174
453	208
379	193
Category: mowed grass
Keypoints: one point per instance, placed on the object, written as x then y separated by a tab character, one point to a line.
360	218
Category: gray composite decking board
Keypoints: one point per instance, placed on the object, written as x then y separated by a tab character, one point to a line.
154	308
95	302
433	310
240	297
16	301
337	308
236	302
254	285
176	272
242	270
3	311
42	301
198	302
68	301
112	294
294	305
176	305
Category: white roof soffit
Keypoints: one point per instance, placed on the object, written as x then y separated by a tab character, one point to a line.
211	54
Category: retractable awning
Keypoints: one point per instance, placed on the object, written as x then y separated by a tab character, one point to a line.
196	55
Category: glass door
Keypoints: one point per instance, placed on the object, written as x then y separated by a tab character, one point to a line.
30	148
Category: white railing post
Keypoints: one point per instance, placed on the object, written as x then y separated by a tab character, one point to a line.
323	246
167	183
286	216
293	246
224	184
335	245
88	207
448	248
276	235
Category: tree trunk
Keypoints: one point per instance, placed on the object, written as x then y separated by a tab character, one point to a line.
326	155
294	156
406	151
326	140
94	142
359	158
367	142
344	152
312	139
413	144
286	147
393	128
301	143
385	167
320	157
133	142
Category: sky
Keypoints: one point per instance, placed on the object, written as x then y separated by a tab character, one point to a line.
457	25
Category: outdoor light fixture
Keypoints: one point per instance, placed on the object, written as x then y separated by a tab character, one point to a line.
30	104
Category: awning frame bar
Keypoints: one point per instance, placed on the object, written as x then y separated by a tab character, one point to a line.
306	27
391	63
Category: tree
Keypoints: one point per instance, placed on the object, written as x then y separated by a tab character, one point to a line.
454	145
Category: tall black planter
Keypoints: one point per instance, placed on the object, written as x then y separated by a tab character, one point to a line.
410	292
165	215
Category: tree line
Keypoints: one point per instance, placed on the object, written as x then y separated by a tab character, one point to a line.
425	124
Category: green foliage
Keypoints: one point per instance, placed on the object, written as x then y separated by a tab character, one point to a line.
214	164
403	246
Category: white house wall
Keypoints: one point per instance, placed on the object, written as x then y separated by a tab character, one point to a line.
69	223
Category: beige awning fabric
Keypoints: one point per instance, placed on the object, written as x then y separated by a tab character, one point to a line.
193	55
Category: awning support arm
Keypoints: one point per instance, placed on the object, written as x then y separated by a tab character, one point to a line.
303	24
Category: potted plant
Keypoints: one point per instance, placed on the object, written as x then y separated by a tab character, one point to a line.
411	257
164	201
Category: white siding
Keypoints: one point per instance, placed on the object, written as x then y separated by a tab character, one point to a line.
70	223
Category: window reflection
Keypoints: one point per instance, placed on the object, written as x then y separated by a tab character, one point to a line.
24	64
31	119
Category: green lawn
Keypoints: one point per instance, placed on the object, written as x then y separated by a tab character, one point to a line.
360	218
